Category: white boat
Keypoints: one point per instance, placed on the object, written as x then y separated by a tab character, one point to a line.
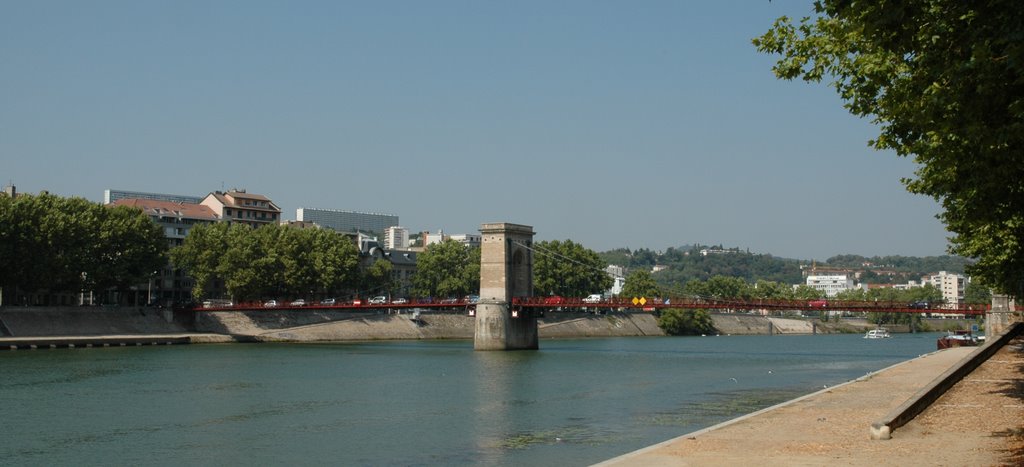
877	334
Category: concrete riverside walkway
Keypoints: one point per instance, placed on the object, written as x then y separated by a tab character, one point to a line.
832	427
43	342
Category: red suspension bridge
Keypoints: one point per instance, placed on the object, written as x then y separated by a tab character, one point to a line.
633	304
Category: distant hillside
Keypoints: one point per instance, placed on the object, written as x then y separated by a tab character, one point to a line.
691	262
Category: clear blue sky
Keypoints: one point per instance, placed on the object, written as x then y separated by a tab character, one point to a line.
614	124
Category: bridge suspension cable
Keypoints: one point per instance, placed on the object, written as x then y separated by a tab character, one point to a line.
546	252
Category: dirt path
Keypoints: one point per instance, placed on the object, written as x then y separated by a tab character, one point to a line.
978	422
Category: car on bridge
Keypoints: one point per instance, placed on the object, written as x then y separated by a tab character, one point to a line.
555	302
299	302
378	300
593	298
270	304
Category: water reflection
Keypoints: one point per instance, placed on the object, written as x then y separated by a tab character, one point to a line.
504	382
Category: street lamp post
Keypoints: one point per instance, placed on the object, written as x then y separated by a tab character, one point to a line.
149	295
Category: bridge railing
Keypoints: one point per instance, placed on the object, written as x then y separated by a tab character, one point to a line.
626	304
735	304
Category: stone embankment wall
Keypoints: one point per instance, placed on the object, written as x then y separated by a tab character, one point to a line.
342	326
740	324
320	325
84	321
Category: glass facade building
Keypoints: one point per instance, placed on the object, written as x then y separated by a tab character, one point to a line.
347	221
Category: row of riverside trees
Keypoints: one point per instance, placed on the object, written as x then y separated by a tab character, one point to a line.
565	268
686	263
272	261
51	245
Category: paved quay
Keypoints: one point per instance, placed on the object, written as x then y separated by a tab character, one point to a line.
977	422
45	342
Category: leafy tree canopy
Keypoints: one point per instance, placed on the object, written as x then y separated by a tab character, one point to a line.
447	269
943	81
677	322
639	283
269	261
59	244
568	269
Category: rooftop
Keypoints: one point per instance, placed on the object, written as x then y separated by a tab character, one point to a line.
154	207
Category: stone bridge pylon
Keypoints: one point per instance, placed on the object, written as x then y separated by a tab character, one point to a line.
506	271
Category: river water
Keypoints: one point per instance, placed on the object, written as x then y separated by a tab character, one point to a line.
573	402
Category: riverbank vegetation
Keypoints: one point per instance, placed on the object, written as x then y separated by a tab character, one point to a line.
269	261
568	269
447	269
943	80
682	265
678	322
52	245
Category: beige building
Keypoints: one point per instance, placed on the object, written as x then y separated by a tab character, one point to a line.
239	206
170	285
396	238
176	218
952	286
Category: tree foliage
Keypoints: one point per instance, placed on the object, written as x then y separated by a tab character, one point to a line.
686	264
269	261
56	244
976	294
639	283
447	269
377	278
568	269
677	322
943	81
130	248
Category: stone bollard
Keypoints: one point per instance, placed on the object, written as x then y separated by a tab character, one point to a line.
880	431
998	318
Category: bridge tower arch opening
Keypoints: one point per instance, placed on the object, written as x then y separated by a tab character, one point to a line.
506	272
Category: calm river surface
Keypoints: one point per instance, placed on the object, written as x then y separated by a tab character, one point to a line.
574	402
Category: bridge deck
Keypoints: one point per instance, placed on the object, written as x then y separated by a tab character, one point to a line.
638	304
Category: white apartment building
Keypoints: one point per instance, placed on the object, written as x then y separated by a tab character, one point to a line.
430	238
952	286
831	284
468	239
618	274
396	238
440	236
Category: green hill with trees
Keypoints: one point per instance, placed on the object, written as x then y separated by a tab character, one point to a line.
700	263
